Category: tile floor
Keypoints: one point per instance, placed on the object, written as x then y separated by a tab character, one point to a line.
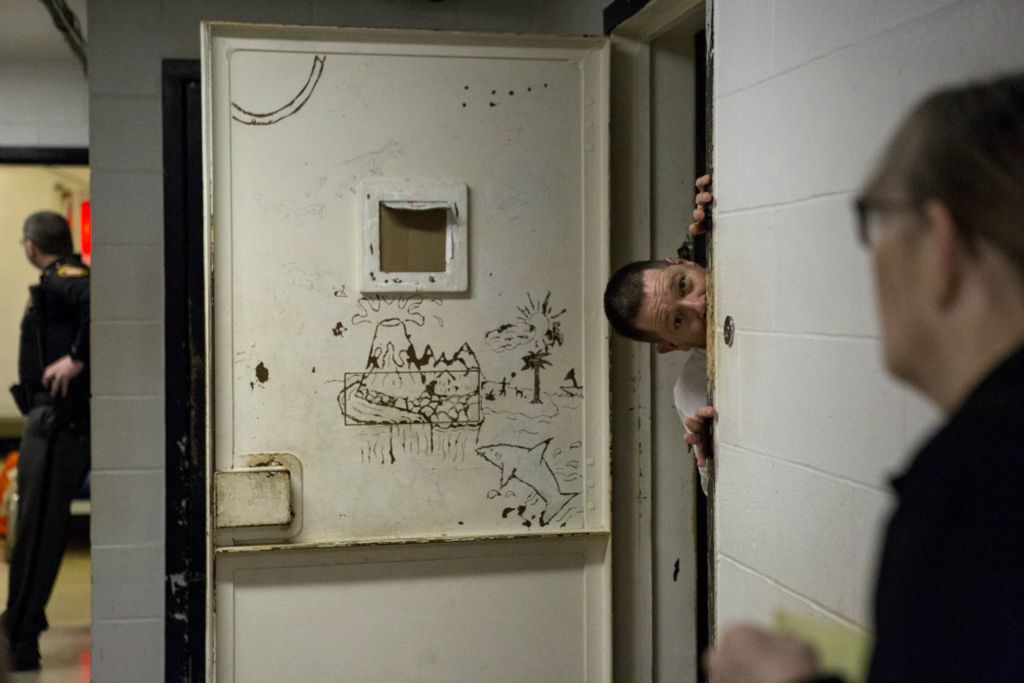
65	645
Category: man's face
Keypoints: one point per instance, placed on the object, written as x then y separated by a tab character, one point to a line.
30	249
900	290
674	308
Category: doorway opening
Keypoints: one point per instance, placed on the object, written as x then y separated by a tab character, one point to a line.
677	158
663	141
31	180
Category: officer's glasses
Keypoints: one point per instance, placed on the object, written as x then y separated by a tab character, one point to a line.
869	213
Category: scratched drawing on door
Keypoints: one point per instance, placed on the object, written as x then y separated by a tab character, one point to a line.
535	330
538	492
515	411
289	108
430	402
538	482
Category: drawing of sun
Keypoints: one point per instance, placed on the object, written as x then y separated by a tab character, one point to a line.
379	307
539	318
536	323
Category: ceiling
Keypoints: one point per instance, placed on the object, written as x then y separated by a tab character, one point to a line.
27	31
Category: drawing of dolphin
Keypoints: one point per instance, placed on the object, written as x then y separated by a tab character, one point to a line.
529	466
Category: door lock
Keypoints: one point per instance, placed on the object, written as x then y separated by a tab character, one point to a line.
730	329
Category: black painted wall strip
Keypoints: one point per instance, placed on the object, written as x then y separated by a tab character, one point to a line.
620	10
63	156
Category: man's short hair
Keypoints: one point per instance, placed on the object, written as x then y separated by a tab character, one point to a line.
50	233
965	147
623	296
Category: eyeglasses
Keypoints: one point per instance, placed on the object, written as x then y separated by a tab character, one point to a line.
869	212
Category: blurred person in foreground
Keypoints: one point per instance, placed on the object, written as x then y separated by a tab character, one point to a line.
53	458
943	216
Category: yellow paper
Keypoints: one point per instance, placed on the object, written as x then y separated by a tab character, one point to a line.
842	649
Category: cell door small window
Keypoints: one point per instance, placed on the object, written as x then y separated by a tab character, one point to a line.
414	237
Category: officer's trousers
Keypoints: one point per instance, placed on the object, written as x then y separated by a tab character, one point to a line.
52	464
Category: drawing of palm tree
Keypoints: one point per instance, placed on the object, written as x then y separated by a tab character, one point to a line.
536	360
536	326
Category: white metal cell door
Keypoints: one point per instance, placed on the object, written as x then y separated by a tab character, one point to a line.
409	461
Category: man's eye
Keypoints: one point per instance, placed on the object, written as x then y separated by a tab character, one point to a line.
682	285
678	322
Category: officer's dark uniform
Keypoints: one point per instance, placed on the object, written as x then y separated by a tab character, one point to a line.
54	452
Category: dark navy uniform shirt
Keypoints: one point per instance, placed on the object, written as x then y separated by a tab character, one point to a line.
56	323
949	602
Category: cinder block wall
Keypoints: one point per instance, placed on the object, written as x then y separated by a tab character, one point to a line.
127	41
811	429
43	103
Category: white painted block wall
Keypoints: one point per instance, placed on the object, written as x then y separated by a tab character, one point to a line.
43	103
127	41
811	429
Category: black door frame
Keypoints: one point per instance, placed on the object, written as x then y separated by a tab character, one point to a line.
185	375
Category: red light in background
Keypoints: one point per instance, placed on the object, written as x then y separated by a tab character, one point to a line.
85	232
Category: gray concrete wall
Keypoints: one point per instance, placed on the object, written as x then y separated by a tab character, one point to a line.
43	103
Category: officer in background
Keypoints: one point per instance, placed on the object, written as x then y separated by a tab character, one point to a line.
53	394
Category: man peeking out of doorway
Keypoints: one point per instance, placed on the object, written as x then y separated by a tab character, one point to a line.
663	302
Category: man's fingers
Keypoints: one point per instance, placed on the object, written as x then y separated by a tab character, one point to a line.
707	412
55	381
697	442
709	661
696	422
698	227
695	432
698	455
61	383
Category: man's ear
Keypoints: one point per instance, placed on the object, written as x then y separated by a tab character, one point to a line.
945	253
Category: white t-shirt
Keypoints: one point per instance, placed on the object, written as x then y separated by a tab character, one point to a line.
691	393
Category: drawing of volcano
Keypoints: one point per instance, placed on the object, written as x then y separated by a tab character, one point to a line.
402	386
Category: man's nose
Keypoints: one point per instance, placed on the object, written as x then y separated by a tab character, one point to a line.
698	305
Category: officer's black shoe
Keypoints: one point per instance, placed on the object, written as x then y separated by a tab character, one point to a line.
25	656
